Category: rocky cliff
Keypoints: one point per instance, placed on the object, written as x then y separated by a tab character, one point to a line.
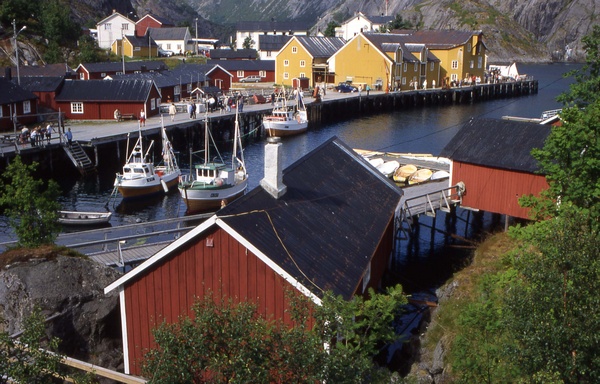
72	288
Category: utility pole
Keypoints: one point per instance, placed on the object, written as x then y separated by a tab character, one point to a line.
123	48
196	42
16	35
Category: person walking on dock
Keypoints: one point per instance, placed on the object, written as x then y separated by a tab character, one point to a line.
142	118
49	132
172	111
69	136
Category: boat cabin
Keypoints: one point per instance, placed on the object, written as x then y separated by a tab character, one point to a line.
214	173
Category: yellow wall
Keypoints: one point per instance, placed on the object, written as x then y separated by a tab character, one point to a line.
464	55
294	53
362	63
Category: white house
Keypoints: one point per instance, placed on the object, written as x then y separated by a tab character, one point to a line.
361	23
176	39
255	29
113	28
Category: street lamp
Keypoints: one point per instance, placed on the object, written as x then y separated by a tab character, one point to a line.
196	42
123	48
16	34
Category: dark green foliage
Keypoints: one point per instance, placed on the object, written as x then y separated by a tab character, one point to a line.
23	361
553	308
226	341
398	23
18	10
248	43
31	209
89	51
330	30
56	23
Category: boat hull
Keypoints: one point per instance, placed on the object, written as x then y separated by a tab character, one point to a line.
147	186
199	198
287	128
83	218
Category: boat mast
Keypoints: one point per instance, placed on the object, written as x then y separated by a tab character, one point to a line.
206	142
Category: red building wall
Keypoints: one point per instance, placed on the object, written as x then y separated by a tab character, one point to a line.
169	289
496	190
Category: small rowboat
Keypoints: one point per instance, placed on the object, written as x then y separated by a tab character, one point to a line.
404	172
420	176
438	175
388	168
83	218
376	162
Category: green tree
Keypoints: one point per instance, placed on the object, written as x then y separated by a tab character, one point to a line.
397	23
57	26
18	10
553	307
226	341
31	209
248	43
32	358
330	30
570	158
89	51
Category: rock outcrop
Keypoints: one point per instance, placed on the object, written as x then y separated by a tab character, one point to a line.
88	321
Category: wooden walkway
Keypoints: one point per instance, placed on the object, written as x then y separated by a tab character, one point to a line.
127	256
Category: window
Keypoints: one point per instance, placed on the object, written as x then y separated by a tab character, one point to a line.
431	66
153	103
103	74
240	73
189	88
454	64
268	53
416	69
107	27
137	71
27	106
137	48
302	75
77	107
179	47
82	76
262	73
302	63
1	111
169	46
468	47
405	67
479	62
125	26
404	81
286	75
454	77
286	63
177	90
471	64
118	73
294	49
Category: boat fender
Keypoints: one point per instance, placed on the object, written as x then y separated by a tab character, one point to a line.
298	119
164	185
219	182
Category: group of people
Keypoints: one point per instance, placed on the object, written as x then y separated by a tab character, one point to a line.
212	103
119	117
36	136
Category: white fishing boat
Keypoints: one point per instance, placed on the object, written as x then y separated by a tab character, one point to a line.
140	177
287	120
83	218
214	183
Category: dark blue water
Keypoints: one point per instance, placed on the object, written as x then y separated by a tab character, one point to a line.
421	130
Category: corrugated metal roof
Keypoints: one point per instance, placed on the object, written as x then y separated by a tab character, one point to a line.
171	33
130	66
51	70
441	39
105	90
319	46
244	65
141	41
13	93
324	230
503	144
41	83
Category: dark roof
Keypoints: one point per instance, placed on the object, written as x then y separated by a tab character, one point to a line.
51	70
194	70
171	33
503	144
319	46
272	42
42	83
331	219
13	93
149	65
271	26
161	79
232	54
436	39
141	41
244	65
105	90
380	19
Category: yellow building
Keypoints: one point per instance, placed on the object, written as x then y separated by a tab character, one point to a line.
383	62
138	47
305	57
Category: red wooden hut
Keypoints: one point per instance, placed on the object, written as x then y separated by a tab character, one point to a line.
493	159
326	223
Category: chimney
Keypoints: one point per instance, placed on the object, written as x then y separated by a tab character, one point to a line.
8	74
273	180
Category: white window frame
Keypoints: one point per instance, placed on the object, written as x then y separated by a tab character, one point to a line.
240	74
1	113
302	75
107	27
405	67
137	49
471	64
286	75
453	77
286	63
262	73
103	74
294	49
403	80
125	26
454	64
468	47
189	87
26	106
177	90
152	104
82	76
76	107
416	66
302	63
431	66
479	62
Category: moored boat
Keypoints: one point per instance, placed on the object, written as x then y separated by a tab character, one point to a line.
286	120
421	176
140	177
404	172
438	175
214	183
388	167
83	218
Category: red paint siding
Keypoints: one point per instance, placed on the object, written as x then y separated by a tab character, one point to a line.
496	190
168	290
